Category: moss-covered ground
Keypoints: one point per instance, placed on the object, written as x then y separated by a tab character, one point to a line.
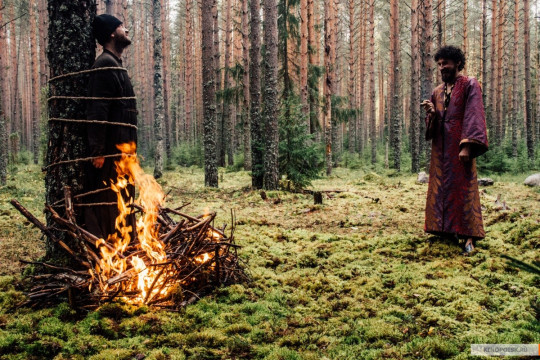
354	278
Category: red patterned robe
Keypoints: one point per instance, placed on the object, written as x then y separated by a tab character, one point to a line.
453	201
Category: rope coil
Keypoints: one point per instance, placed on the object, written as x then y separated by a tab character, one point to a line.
95	122
85	72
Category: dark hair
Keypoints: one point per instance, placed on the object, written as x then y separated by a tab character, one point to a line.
451	53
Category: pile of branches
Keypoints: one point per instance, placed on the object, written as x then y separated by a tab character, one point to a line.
185	240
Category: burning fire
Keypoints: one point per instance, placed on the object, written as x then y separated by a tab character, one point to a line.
149	280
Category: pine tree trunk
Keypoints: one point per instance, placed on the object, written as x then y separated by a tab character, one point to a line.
352	68
271	102
484	54
415	90
158	89
441	24
515	69
465	34
313	47
257	129
3	119
500	56
304	59
426	75
67	140
245	81
491	119
34	64
189	71
109	6
528	97
43	25
329	54
228	100
373	123
209	98
166	78
396	88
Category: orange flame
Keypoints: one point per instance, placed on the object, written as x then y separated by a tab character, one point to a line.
148	281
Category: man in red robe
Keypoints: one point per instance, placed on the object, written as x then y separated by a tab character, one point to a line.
456	126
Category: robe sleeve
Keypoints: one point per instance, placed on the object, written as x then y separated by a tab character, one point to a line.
431	121
103	84
474	130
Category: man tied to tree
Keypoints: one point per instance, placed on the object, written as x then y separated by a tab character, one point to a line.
113	102
456	126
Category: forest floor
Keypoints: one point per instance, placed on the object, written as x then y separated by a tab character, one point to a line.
354	278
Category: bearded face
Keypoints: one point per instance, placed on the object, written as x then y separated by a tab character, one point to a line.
449	70
121	38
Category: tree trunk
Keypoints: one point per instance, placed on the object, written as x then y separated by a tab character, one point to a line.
257	136
3	120
166	78
43	43
313	50
528	97
491	123
515	69
67	140
415	90
426	75
228	100
34	64
441	28
484	54
373	123
352	82
396	91
189	72
499	92
271	102
304	59
209	98
158	89
329	54
465	34
245	85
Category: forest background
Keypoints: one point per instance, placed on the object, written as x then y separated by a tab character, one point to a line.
355	104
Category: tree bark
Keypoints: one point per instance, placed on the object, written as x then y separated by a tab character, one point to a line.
257	137
415	90
304	59
34	64
372	117
426	75
158	89
271	102
329	54
396	88
352	82
228	100
3	120
528	97
189	72
484	54
245	86
465	34
209	98
166	78
67	140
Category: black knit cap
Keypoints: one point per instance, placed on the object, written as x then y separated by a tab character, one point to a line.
103	26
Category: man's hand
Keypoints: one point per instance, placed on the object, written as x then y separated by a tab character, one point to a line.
98	162
428	107
464	153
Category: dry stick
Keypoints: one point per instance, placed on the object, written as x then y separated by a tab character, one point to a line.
173	232
154	284
87	236
45	230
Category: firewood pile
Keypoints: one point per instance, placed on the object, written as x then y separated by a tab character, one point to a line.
198	258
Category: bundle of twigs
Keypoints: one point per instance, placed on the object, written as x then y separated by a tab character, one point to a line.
199	258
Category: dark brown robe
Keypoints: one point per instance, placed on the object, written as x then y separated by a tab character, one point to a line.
102	139
453	202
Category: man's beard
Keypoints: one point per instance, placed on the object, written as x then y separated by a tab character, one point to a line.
448	76
122	42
